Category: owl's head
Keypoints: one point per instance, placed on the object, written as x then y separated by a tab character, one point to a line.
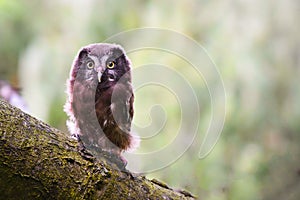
101	63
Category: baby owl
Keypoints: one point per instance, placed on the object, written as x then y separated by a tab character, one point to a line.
100	99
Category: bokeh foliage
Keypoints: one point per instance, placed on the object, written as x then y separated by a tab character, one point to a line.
255	44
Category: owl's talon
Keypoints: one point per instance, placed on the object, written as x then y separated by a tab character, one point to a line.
118	160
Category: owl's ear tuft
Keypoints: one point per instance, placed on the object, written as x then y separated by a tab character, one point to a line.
83	53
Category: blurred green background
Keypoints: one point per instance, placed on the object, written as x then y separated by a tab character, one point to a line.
255	44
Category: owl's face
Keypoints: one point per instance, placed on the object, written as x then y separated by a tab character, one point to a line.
101	64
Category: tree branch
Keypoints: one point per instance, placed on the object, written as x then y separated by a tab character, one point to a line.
40	162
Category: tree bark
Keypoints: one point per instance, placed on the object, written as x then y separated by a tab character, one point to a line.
40	162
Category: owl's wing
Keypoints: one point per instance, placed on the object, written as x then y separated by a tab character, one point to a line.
131	111
122	110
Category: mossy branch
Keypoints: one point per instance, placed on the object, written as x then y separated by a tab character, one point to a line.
40	162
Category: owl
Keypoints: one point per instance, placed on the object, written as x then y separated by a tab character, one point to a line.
100	99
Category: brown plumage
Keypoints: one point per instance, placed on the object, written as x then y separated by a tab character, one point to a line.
100	99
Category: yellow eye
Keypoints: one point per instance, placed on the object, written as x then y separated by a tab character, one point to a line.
110	65
90	65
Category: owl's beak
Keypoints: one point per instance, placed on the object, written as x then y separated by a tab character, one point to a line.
99	76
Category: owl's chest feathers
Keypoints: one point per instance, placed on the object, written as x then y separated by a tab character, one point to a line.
83	100
90	104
